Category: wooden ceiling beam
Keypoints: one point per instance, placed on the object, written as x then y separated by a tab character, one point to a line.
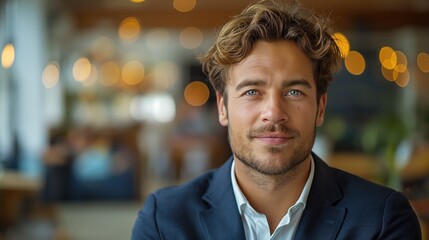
372	20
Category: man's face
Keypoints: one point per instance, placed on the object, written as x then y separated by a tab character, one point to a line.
271	110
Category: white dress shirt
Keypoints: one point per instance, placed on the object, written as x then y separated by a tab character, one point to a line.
256	224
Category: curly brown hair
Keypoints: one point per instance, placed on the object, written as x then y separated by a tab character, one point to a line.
271	20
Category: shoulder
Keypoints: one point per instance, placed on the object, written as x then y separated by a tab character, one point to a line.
190	191
364	193
172	212
367	195
212	183
355	193
353	183
350	185
372	206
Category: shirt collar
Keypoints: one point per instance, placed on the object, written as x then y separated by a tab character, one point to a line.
241	199
239	196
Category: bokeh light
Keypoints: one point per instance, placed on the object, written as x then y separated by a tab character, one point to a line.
196	93
184	5
387	74
423	62
387	57
129	30
8	55
191	37
394	66
401	62
355	63
133	72
92	78
81	69
403	79
342	43
157	107
137	1
51	75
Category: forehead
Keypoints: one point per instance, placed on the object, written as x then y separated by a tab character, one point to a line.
279	59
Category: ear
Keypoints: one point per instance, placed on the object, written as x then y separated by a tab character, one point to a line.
221	108
321	109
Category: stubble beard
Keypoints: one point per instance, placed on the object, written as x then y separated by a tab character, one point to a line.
261	164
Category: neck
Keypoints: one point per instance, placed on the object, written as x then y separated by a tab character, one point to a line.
272	195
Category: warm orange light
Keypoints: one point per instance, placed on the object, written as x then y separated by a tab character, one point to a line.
92	78
196	93
403	79
137	1
387	74
184	5
81	69
342	43
401	63
388	58
129	30
51	75
8	55
191	37
423	62
133	72
355	63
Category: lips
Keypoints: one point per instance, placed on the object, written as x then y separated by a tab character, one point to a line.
274	138
274	134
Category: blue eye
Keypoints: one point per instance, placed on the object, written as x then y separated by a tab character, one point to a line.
294	92
251	92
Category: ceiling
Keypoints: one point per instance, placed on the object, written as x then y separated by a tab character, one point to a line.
373	14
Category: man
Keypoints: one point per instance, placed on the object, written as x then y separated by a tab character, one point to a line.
270	67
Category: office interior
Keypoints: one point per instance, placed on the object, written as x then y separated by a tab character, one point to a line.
104	101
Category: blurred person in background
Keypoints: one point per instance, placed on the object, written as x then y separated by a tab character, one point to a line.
57	159
103	167
83	163
271	66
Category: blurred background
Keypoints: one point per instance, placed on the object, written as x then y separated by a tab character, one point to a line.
103	101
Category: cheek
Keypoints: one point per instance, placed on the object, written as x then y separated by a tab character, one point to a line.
304	116
240	115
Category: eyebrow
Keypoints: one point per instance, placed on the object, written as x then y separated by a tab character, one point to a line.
249	82
298	82
285	84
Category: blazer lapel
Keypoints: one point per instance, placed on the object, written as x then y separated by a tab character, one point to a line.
321	220
221	220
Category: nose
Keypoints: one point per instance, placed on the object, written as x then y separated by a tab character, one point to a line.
274	110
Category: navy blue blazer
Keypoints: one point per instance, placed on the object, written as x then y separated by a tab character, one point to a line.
339	206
